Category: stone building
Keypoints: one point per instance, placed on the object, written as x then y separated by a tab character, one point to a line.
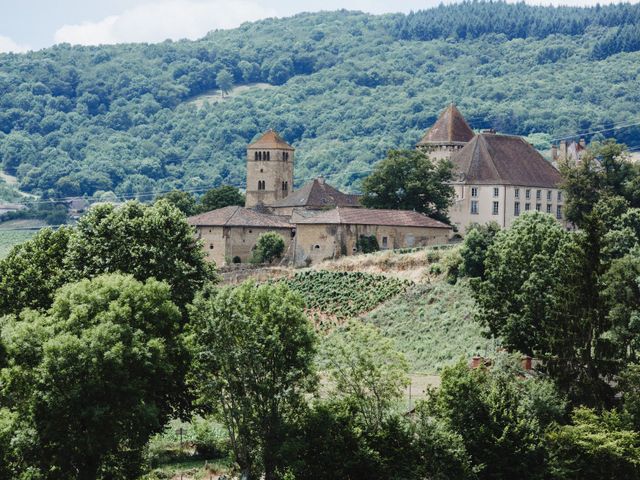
568	151
334	233
317	221
269	170
499	177
231	232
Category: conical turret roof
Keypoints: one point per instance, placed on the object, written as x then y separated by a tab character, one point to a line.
270	139
450	129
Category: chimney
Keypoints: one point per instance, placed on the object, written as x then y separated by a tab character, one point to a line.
476	361
563	149
582	143
490	131
320	180
554	152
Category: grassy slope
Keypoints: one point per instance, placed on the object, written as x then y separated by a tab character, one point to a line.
432	324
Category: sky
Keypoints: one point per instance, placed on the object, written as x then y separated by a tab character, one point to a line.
34	24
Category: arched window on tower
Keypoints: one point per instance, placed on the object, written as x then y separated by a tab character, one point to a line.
259	154
268	156
256	156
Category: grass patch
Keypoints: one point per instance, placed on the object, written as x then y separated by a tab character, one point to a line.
433	325
10	238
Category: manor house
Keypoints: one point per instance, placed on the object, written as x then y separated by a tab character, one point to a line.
496	177
316	222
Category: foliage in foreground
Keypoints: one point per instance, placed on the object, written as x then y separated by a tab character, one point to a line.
253	351
85	385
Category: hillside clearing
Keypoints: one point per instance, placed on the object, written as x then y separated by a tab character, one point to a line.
215	96
432	325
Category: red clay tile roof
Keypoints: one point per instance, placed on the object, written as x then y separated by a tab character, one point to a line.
504	160
450	128
368	216
271	139
238	217
318	194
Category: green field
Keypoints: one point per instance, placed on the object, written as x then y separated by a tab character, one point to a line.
9	238
432	325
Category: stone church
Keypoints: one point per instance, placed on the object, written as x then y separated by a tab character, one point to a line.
316	222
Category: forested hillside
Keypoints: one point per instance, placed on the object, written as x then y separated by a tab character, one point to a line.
347	87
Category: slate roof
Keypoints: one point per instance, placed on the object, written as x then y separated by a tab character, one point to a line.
318	194
369	216
450	128
271	139
494	159
236	216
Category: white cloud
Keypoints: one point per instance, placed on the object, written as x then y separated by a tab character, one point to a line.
8	45
155	22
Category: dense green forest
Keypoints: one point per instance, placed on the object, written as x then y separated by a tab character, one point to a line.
346	87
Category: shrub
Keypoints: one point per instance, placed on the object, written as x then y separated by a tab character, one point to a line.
367	244
269	247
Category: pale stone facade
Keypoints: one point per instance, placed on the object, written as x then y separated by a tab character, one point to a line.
481	204
222	244
316	242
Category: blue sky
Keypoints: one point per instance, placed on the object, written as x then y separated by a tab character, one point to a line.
34	24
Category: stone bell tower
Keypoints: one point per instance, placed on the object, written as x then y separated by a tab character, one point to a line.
269	170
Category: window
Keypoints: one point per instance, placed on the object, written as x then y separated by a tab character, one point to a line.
538	207
474	191
527	207
385	242
496	191
285	156
548	208
559	212
496	207
259	155
316	247
517	192
559	196
255	157
211	246
268	154
516	209
474	207
527	194
538	194
548	195
261	185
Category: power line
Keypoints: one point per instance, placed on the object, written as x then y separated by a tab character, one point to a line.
584	134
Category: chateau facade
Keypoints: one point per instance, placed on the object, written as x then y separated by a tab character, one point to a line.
496	177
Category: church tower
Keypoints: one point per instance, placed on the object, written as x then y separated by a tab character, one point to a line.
449	134
269	170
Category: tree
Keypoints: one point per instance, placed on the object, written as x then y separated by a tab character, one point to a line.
145	241
220	197
253	350
499	416
183	201
33	271
474	248
408	180
269	247
366	371
224	80
594	447
102	370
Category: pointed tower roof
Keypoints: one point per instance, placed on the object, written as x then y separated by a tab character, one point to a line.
270	139
451	128
318	194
